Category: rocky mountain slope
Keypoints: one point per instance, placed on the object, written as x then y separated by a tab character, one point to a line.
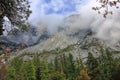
69	33
83	40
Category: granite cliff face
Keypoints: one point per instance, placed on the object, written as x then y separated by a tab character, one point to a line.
68	33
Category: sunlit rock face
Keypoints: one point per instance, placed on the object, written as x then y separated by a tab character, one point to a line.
70	31
67	33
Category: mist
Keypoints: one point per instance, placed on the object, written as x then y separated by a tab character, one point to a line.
82	17
49	22
106	29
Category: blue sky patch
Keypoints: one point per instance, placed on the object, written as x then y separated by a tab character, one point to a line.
69	6
47	1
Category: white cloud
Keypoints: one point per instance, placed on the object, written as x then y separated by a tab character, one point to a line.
105	28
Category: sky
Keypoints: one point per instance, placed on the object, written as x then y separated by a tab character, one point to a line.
57	7
52	12
50	15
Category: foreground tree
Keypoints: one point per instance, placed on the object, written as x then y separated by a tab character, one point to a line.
17	11
3	71
105	5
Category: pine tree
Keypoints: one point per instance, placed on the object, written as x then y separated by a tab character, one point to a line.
44	71
92	65
15	67
16	63
106	65
70	68
37	64
11	74
28	71
56	64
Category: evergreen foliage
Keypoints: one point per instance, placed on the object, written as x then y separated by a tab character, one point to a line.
17	11
65	67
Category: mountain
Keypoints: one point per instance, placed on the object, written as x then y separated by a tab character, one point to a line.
69	34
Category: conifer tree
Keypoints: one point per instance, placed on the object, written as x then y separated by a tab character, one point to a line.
17	11
28	71
92	65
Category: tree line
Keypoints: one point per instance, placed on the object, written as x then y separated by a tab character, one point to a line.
64	67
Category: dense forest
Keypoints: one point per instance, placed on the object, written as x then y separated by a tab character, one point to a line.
63	67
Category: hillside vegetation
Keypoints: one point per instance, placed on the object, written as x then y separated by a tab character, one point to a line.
63	67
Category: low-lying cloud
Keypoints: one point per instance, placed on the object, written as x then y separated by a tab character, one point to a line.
107	29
